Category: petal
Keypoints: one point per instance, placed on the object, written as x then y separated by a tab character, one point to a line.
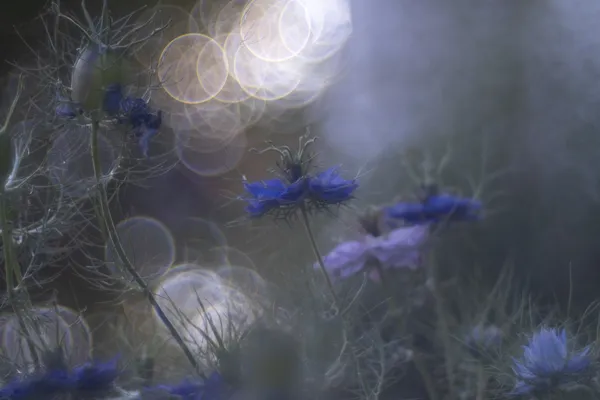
451	206
293	193
579	362
66	110
345	260
546	353
271	188
412	213
401	247
522	388
329	187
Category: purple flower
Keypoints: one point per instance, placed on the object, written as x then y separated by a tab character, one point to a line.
93	377
66	110
484	339
96	377
435	209
329	187
548	363
275	195
401	248
297	187
213	388
134	111
48	384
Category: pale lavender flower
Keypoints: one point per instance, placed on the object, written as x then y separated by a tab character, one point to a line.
401	248
484	339
548	363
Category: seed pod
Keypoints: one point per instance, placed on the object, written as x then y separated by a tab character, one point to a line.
95	69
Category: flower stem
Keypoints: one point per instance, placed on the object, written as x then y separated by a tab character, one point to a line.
425	375
442	322
11	271
482	381
317	252
111	231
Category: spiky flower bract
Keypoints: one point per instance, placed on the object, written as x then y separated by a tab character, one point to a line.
548	363
297	187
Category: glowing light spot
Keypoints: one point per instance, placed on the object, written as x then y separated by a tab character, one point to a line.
193	68
148	244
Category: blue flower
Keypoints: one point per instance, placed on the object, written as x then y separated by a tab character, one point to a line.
36	387
95	377
144	122
482	340
328	187
133	111
273	194
548	364
297	188
435	209
212	388
66	110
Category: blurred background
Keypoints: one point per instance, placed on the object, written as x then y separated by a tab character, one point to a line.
512	86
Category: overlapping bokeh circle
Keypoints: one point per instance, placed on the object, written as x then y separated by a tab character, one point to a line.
224	66
48	328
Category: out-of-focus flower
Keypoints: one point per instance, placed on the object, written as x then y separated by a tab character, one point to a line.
134	111
328	187
436	208
66	110
401	248
548	363
297	187
484	339
213	388
93	377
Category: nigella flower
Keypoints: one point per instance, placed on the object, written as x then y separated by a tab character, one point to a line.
548	363
400	248
483	340
436	208
213	388
36	387
66	108
95	377
134	111
297	188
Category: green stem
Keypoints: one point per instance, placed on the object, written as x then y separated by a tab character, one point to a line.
10	271
443	323
319	257
111	231
425	375
482	381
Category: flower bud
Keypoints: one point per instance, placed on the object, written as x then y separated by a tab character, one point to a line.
95	69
